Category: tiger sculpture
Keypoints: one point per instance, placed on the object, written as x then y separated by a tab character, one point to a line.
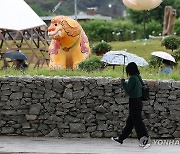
69	43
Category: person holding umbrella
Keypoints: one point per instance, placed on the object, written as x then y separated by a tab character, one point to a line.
134	89
167	60
166	69
20	65
18	58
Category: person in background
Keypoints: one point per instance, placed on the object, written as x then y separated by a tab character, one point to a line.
21	65
166	69
134	89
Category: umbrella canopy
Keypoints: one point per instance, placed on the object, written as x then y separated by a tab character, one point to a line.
122	58
142	4
15	55
163	55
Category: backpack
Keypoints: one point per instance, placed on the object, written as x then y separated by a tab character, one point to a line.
145	90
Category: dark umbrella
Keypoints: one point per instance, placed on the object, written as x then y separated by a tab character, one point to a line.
15	55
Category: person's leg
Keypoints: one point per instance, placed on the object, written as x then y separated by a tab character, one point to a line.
125	132
136	116
127	129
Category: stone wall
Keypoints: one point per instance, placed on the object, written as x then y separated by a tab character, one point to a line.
82	107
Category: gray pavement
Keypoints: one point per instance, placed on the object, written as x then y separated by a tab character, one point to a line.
45	145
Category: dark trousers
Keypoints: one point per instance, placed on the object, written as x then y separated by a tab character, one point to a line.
134	120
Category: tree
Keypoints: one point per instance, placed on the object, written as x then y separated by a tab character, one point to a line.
177	7
67	7
38	10
155	14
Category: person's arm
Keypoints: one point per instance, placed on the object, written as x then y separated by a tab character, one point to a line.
128	87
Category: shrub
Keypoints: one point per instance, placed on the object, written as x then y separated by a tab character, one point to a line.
97	30
176	55
121	30
101	48
126	26
177	26
91	64
153	28
171	42
154	61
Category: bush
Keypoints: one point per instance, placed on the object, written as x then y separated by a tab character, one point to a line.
153	28
126	26
177	27
176	55
154	61
121	30
91	64
98	30
101	48
171	42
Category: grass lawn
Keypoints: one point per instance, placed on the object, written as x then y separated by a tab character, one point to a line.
141	48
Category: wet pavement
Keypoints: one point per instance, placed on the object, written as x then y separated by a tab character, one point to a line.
45	145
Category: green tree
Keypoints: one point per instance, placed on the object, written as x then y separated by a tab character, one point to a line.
155	14
153	28
38	10
98	29
177	7
177	27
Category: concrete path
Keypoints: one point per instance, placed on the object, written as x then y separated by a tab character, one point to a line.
44	145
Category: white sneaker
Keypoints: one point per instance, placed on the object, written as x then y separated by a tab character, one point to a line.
145	142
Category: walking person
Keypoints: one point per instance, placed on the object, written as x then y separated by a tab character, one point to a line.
134	90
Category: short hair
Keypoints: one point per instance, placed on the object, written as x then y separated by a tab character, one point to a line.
132	69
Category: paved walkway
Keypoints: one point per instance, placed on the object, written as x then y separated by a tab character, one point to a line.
44	145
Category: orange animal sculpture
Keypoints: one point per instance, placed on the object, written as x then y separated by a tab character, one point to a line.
69	45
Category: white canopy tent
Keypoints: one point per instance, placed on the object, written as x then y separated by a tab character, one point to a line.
18	15
21	28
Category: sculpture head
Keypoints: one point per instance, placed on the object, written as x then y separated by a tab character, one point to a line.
63	26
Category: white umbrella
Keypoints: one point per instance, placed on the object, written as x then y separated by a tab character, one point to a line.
122	58
163	55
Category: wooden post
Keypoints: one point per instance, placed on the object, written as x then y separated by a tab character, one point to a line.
169	20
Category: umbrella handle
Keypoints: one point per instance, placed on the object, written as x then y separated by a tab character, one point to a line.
124	64
123	70
124	61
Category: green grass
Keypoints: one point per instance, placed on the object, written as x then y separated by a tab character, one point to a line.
141	48
146	73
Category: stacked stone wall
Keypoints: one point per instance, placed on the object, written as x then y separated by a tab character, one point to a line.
82	107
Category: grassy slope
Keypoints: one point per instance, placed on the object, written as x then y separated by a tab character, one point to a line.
141	48
144	49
